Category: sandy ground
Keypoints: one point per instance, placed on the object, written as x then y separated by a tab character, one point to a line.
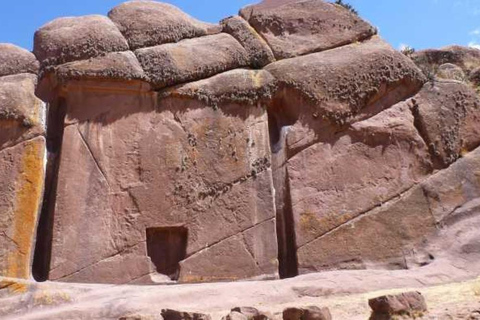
346	293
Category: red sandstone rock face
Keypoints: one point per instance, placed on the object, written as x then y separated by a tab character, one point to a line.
168	160
178	163
448	115
22	160
374	161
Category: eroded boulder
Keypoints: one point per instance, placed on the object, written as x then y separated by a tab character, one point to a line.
320	93
405	304
247	313
77	38
112	66
451	72
293	28
432	60
15	60
191	59
307	313
22	114
258	50
236	86
151	23
169	314
447	115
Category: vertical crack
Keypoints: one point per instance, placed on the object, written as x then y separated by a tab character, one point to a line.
43	245
286	239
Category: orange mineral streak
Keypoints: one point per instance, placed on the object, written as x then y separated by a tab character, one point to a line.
28	197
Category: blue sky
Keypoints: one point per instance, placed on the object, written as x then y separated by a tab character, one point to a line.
417	23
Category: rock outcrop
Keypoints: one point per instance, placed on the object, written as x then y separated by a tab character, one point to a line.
289	139
408	304
293	28
22	160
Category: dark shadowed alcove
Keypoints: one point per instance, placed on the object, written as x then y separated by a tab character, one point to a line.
166	247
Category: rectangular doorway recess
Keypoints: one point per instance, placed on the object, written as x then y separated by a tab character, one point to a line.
166	247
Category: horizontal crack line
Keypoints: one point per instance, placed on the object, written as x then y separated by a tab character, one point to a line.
102	259
20	142
364	213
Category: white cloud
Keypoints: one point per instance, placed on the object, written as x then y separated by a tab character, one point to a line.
475	32
403	46
474	44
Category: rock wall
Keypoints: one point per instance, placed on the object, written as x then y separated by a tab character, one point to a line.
288	139
22	160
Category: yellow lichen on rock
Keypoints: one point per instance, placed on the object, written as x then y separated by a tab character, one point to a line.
28	200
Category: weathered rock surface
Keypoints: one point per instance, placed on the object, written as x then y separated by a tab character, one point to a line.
406	304
258	50
404	232
452	193
320	93
450	71
191	59
191	166
22	160
236	86
431	59
21	113
69	39
14	60
448	117
21	187
151	23
331	184
115	65
293	28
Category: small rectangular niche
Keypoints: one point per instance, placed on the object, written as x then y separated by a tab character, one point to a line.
166	247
